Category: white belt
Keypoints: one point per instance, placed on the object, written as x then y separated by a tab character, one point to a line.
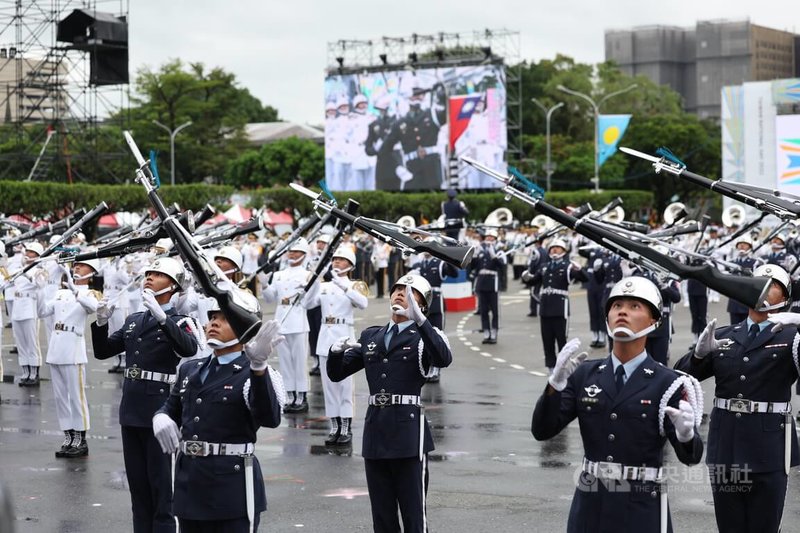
487	272
382	399
198	448
334	320
550	290
71	329
741	405
619	471
137	373
666	309
436	289
410	156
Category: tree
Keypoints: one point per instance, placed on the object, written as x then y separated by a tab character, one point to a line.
278	163
212	100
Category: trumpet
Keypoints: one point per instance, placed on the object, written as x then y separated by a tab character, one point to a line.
750	291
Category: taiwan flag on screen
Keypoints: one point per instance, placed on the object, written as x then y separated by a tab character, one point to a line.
461	109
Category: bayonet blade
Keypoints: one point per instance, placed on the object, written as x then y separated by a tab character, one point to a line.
642	155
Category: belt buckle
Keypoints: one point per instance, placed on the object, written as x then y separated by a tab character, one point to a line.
609	470
195	448
382	399
330	320
59	326
739	405
134	373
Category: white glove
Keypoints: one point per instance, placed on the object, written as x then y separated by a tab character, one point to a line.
341	281
166	432
575	266
626	268
706	343
413	310
263	344
343	344
782	320
403	174
683	420
70	282
597	264
104	311
40	279
566	363
149	302
491	251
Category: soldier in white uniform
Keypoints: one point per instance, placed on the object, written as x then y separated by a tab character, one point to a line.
338	299
66	354
340	139
23	317
54	273
115	284
362	166
285	287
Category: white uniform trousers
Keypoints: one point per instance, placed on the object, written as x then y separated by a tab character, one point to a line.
292	354
338	396
69	390
49	324
27	342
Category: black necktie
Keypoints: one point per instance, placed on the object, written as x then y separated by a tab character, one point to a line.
619	374
213	366
753	333
394	330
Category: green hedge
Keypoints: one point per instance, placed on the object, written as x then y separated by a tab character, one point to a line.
393	205
41	197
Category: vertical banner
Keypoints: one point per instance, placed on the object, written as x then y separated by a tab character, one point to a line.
787	153
759	135
611	128
732	125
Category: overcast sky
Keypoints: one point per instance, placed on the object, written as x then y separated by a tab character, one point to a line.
278	48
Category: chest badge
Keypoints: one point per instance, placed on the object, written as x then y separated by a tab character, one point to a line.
371	346
236	367
131	327
593	390
602	367
648	371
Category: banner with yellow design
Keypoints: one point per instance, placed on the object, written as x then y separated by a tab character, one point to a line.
611	128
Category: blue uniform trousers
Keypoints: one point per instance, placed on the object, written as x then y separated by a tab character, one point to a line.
149	479
554	331
236	525
487	303
749	503
393	482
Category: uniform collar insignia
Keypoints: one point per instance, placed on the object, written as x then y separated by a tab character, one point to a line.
236	367
371	346
602	367
593	390
648	371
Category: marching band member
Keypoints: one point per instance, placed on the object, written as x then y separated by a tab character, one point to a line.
738	311
211	418
66	353
287	288
153	341
337	300
752	441
396	358
628	406
486	266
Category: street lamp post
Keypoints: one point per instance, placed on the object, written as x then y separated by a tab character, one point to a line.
172	135
596	108
548	113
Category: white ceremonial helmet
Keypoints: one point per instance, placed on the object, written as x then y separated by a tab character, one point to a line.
345	252
54	238
300	245
558	242
164	244
780	276
35	247
94	263
169	267
419	284
232	254
638	288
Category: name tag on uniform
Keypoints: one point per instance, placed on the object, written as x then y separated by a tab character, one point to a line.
727	344
228	387
406	347
587	399
776	345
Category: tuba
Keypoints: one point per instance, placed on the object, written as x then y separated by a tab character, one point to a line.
407	221
544	223
615	216
502	216
733	215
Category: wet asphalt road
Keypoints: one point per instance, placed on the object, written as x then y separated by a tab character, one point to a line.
487	473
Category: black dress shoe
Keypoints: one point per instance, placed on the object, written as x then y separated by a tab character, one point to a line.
485	341
296	407
64	447
314	371
13	350
345	439
24	382
332	438
532	314
82	450
33	382
491	341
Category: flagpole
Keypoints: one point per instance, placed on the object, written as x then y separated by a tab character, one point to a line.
596	109
548	113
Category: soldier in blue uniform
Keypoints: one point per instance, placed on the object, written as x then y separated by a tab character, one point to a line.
454	212
778	254
595	255
153	342
536	260
397	439
434	270
608	274
555	277
751	439
738	311
628	406
387	158
219	402
485	266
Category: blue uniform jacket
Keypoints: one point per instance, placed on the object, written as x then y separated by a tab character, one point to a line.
621	428
764	372
556	274
149	346
392	432
482	260
213	487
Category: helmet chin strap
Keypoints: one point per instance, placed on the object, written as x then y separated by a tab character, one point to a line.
229	271
556	256
216	344
298	262
81	278
339	272
623	334
773	307
164	290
